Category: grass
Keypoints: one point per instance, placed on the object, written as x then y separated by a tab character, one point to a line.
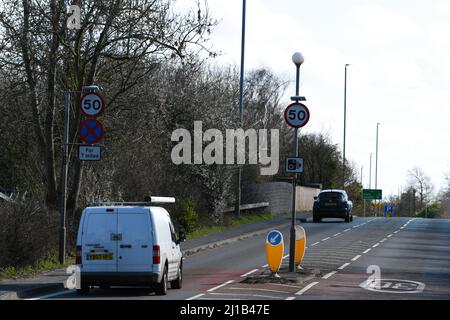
232	223
48	264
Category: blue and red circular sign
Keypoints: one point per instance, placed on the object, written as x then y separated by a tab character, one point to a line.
296	115
91	131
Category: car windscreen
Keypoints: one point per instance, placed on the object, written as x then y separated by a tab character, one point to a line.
331	196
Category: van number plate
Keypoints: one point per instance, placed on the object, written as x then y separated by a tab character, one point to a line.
102	256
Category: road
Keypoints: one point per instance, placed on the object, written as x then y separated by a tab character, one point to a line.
412	257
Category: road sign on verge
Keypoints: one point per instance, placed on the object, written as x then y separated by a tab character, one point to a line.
274	250
88	153
294	165
92	104
300	244
296	115
91	131
372	194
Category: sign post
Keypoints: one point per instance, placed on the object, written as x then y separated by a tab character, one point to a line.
296	115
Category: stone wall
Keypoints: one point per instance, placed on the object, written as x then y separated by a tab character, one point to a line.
279	196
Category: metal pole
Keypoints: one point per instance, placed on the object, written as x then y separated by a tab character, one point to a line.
294	186
370	173
345	126
241	105
62	233
376	162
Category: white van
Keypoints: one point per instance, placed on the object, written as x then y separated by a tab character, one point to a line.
129	244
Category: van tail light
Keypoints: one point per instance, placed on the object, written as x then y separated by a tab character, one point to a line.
78	259
156	255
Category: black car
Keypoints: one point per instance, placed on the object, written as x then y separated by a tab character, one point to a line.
333	203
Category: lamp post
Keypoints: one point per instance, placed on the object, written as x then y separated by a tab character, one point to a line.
298	60
376	166
370	171
345	126
241	105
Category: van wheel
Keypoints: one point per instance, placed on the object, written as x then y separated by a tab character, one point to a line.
178	282
347	218
84	291
161	289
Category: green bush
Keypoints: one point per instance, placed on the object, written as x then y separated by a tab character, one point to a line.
186	215
432	211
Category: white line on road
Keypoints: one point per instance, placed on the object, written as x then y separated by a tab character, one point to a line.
337	234
356	258
59	293
381	241
285	256
367	250
249	273
290	298
314	244
347	230
344	266
375	245
257	289
222	285
390	235
309	286
195	297
265	266
245	294
328	275
396	231
327	238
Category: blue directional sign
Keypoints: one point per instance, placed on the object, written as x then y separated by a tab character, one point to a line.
274	238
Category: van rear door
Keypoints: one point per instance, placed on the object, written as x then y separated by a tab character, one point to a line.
135	249
99	240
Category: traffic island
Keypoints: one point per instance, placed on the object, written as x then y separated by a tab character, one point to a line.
299	277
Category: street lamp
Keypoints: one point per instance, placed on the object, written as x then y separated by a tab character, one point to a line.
241	105
345	125
376	161
297	59
370	172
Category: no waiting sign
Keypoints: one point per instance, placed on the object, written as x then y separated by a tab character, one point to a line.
92	104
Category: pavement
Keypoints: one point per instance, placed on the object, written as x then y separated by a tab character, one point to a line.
53	281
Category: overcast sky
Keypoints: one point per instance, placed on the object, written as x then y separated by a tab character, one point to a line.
399	53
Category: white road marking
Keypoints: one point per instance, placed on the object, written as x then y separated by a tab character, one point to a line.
256	289
222	285
381	241
328	275
396	231
249	273
195	297
285	256
401	228
375	245
390	235
356	258
327	238
347	230
244	294
265	266
314	244
309	286
367	250
344	266
283	285
59	293
337	234
290	298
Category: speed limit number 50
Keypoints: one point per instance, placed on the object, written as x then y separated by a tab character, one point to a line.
296	115
92	104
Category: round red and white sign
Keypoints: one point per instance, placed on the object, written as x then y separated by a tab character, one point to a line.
296	115
92	104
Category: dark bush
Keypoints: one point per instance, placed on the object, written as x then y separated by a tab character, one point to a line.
28	233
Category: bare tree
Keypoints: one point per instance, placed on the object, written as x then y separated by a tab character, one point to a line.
420	182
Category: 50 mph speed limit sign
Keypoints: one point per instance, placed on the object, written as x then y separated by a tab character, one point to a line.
296	115
92	104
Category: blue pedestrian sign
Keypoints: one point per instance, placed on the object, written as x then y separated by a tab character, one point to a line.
274	238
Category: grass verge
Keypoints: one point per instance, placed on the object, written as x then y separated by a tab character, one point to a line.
231	223
48	264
